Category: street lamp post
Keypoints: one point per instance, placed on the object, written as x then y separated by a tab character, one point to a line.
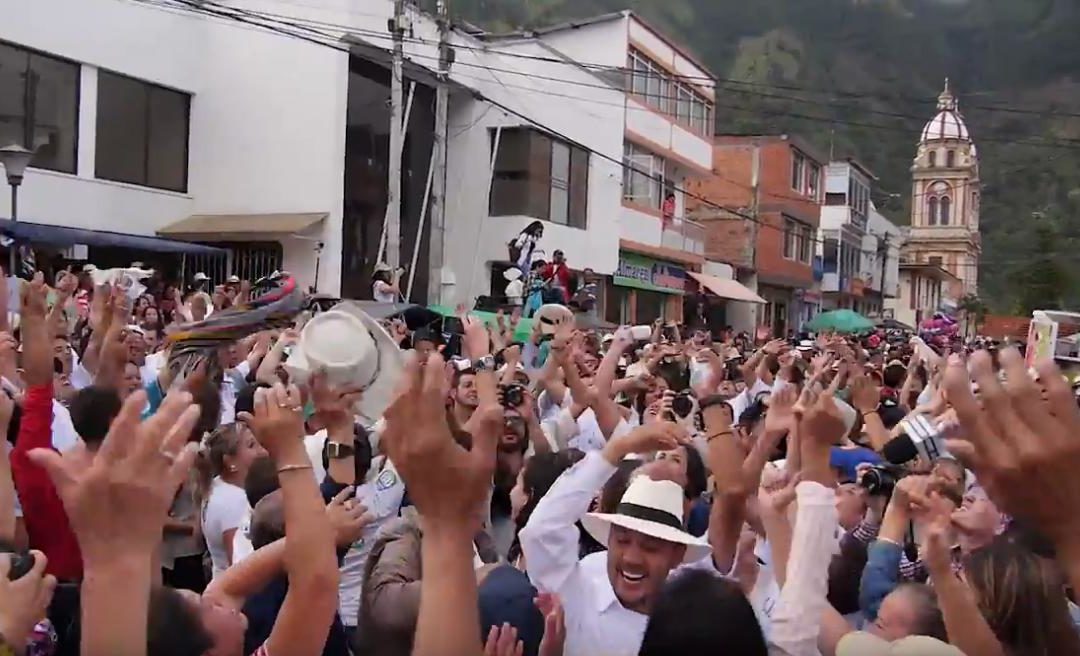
15	159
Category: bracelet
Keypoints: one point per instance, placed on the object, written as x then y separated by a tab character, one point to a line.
288	468
869	412
887	540
712	437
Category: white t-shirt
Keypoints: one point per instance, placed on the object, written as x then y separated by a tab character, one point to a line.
383	292
64	436
744	399
228	391
225	510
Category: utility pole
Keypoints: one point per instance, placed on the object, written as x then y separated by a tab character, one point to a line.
755	202
438	158
397	137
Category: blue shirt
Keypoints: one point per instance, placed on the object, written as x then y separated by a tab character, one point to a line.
847	460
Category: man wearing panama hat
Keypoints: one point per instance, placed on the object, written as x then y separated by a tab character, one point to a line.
609	594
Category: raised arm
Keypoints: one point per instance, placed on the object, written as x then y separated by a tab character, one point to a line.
304	620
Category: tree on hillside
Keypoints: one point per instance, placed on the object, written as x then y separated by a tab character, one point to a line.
1042	281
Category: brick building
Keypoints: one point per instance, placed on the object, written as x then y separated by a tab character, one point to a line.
779	180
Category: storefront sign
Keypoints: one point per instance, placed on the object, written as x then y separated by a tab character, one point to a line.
644	272
857	287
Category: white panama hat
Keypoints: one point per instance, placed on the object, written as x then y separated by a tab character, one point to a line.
654	508
353	349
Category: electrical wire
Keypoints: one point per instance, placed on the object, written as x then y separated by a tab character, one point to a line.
199	7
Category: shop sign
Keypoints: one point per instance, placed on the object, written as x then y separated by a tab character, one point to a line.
644	272
857	287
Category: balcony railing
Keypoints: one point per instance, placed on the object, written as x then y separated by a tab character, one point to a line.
684	235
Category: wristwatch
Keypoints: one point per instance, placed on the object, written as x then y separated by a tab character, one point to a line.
486	363
338	451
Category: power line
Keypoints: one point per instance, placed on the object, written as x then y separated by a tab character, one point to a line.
200	8
1069	144
623	69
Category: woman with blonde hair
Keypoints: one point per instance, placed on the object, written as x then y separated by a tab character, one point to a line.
224	458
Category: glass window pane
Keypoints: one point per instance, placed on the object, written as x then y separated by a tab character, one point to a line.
13	65
579	187
55	107
39	106
168	139
560	182
121	129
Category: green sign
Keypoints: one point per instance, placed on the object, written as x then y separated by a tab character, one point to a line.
643	272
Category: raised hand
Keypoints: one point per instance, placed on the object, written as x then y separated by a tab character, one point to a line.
503	641
447	483
1022	441
348	517
554	624
781	415
333	403
117	500
25	601
865	395
278	418
657	436
477	342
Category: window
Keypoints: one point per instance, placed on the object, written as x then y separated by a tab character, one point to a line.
813	180
643	176
39	106
657	88
540	177
560	183
798	170
142	133
943	216
950	158
912	293
933	158
932	207
797	239
935	260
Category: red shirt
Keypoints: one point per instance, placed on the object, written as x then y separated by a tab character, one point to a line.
43	511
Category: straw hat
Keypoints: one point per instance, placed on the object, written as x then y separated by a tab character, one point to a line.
654	508
353	349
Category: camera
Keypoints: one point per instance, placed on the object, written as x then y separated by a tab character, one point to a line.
21	562
682	405
880	480
512	395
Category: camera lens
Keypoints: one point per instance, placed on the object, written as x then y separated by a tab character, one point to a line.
682	405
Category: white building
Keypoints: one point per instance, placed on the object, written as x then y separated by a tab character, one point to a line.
922	289
166	121
880	264
843	228
666	130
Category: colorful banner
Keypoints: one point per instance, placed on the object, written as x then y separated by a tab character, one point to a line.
643	272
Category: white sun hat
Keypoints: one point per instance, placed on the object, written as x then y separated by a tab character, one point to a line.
353	349
553	315
654	508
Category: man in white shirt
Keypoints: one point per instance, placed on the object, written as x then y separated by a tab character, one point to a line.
608	595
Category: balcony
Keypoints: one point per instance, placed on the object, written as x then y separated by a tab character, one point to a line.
684	235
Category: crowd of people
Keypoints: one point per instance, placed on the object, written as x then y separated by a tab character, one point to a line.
181	481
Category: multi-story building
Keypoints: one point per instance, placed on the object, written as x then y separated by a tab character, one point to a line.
274	148
667	128
843	227
945	193
762	218
922	289
880	263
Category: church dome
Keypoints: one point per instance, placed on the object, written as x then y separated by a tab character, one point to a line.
949	123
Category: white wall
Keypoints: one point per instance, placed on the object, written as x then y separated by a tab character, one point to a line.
598	43
592	118
266	131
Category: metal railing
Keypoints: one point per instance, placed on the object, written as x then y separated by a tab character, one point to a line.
684	235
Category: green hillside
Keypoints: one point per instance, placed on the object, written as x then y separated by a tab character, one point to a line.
861	77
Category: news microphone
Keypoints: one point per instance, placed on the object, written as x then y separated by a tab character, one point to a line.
919	437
